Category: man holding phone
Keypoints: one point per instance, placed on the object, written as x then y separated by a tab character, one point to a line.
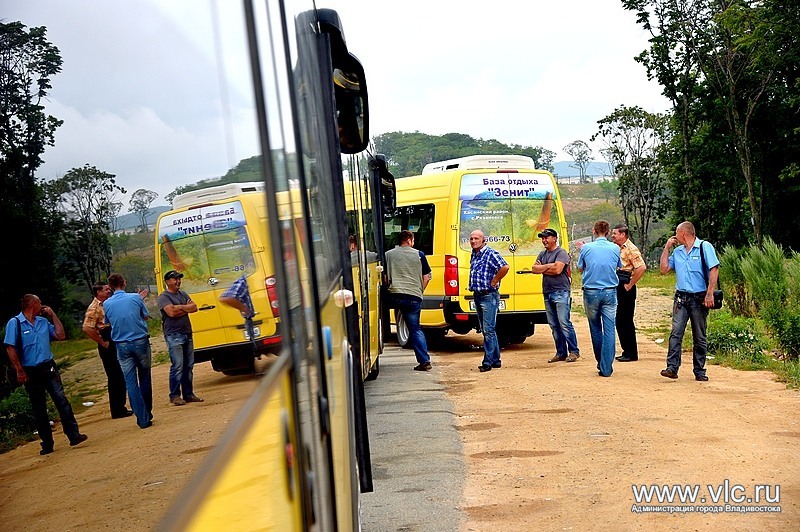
27	340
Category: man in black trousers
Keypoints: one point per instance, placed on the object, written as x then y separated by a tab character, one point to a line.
633	267
96	328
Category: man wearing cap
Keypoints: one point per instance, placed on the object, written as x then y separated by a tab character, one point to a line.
553	264
176	305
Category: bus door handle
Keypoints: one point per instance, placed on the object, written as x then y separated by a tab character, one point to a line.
207	307
524	271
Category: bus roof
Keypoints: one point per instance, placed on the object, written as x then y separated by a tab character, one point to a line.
221	192
476	162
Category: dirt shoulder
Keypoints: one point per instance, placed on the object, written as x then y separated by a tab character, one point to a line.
123	477
547	446
555	447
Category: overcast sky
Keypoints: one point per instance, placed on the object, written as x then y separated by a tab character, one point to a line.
140	92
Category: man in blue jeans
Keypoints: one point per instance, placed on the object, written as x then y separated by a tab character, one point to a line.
599	261
696	279
553	264
409	273
127	314
176	305
486	268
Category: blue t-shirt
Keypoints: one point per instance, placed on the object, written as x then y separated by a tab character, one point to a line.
599	261
35	339
688	266
126	313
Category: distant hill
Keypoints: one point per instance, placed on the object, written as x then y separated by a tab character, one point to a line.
594	169
129	222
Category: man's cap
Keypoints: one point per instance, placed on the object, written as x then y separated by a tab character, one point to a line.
548	232
172	274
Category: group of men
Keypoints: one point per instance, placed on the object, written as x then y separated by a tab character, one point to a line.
610	272
611	266
117	321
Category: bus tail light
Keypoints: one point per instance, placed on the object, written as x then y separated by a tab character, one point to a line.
272	295
450	275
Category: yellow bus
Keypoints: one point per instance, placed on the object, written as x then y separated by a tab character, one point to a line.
297	456
511	202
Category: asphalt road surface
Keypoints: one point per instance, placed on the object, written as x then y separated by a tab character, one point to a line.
417	456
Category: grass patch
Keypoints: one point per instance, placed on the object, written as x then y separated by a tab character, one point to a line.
69	352
655	279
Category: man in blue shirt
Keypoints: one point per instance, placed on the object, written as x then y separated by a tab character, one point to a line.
127	314
696	276
486	268
599	261
27	342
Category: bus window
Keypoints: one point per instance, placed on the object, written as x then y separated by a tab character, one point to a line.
205	243
419	219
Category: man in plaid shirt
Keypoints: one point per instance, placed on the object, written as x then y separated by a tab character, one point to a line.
486	268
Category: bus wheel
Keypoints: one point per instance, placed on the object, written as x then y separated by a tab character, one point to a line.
403	335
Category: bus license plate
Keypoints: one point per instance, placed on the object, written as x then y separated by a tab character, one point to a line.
256	332
501	307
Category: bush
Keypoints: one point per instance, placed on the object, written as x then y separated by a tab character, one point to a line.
732	282
737	340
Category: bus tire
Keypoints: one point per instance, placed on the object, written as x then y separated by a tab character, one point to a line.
403	334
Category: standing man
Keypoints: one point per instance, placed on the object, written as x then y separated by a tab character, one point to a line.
96	328
409	274
694	295
553	264
127	314
633	267
599	261
176	305
486	268
27	340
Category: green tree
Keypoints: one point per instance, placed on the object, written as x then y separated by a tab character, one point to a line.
634	141
730	69
581	153
27	64
140	204
137	270
609	188
86	198
408	153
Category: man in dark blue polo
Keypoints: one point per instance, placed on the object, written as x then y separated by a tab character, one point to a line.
696	279
486	268
127	314
27	342
599	261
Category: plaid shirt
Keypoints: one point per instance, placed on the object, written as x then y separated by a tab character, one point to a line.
95	317
483	266
630	256
241	292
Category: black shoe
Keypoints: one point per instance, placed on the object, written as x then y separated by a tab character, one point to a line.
148	424
701	378
425	366
127	413
626	359
80	439
601	374
497	365
669	374
484	368
46	450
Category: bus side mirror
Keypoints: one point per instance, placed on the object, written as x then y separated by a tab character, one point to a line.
384	180
352	109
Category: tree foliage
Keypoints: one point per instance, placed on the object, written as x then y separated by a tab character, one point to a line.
140	204
408	153
634	142
27	64
581	153
86	198
730	69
